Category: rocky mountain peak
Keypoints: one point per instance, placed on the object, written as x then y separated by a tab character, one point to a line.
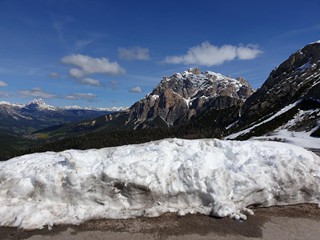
38	104
184	94
296	78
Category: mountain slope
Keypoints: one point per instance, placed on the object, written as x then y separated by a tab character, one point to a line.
291	91
35	115
180	97
174	101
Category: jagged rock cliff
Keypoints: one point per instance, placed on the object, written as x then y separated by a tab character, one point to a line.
182	96
288	101
296	78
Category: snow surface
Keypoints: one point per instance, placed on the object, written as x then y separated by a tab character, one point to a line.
299	138
206	176
247	130
302	139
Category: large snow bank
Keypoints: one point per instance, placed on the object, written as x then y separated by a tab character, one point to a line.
210	176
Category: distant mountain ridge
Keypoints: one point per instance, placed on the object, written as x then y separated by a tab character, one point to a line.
25	118
174	101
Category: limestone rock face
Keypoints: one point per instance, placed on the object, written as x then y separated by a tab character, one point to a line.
287	104
183	95
296	78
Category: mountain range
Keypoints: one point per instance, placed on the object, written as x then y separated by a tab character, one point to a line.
192	104
35	115
178	99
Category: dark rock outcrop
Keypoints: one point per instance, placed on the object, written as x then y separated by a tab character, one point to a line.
289	98
296	78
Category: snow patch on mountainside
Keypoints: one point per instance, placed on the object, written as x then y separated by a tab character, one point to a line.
247	130
302	139
286	133
212	177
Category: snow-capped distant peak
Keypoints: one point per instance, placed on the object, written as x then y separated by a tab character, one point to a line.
39	104
111	109
4	102
114	109
11	104
74	107
38	101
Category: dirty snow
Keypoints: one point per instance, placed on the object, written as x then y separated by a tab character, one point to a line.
212	177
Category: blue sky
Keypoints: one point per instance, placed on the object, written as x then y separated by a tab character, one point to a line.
112	53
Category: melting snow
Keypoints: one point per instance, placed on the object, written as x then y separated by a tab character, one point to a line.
247	130
209	176
302	139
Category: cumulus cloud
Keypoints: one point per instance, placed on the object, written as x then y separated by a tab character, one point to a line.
37	93
248	52
136	90
207	54
81	96
89	65
3	84
134	53
76	73
79	76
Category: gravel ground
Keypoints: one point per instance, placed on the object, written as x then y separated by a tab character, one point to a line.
290	222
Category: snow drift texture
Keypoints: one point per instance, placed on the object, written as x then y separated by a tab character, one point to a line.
182	176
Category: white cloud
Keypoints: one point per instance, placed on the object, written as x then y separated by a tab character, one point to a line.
76	73
3	84
134	53
81	96
37	93
89	65
90	81
248	52
80	77
54	75
207	54
136	90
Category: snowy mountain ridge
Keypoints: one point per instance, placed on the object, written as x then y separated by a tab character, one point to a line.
35	115
41	105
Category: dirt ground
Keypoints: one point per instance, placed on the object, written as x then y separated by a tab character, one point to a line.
290	222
